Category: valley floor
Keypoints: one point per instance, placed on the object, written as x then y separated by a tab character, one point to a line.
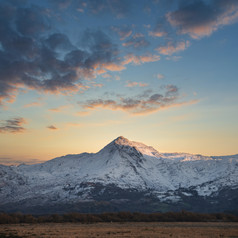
132	229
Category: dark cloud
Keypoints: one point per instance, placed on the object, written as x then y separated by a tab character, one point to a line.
52	127
59	41
62	4
119	8
97	6
100	47
145	93
200	18
29	21
12	125
144	103
33	56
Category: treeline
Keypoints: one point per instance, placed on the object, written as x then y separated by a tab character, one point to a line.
182	216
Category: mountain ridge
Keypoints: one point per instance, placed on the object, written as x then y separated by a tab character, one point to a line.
122	174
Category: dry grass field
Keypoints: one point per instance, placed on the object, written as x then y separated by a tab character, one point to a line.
163	230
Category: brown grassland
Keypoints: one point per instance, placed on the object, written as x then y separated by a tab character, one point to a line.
130	229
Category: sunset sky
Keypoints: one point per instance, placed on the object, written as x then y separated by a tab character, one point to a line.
76	74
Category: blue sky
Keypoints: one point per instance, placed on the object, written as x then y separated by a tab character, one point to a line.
74	75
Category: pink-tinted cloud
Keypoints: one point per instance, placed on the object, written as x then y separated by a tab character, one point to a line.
160	76
131	58
117	77
201	18
113	66
171	88
157	33
145	103
138	40
107	76
60	108
33	104
172	48
100	71
135	84
159	30
14	125
82	113
124	32
149	58
97	85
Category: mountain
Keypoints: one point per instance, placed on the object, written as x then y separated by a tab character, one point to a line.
123	176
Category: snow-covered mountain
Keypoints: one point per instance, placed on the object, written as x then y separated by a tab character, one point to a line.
124	175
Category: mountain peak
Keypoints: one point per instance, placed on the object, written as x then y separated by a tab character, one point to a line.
123	143
118	142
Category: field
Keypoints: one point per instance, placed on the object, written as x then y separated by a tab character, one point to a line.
153	229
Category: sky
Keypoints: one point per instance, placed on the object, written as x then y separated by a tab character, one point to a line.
76	74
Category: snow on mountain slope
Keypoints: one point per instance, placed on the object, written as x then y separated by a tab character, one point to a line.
126	164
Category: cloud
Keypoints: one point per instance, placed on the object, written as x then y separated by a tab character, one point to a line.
71	124
149	58
100	71
113	66
173	58
59	41
171	89
158	31
160	76
97	85
136	41
172	48
52	127
59	109
107	76
141	104
118	8
117	77
148	26
134	84
62	4
123	32
29	21
201	18
33	57
33	104
82	113
12	125
27	60
147	9
137	60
